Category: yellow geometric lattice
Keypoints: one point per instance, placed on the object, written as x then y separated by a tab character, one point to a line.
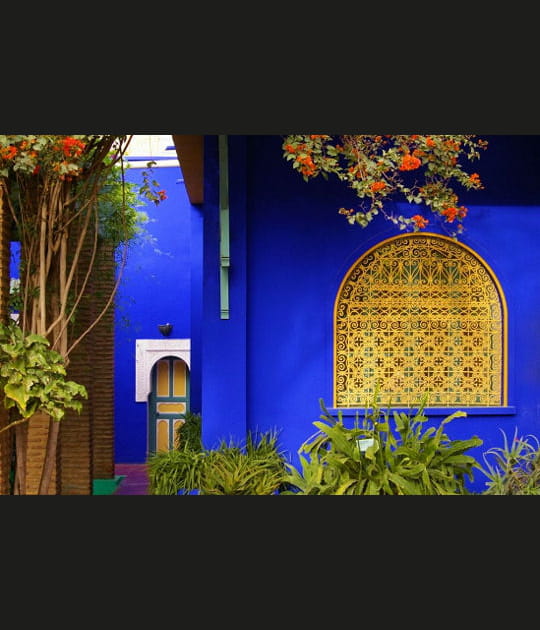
417	314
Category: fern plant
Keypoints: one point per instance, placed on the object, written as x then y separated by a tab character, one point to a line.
374	458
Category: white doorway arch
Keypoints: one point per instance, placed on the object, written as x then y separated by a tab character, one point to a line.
147	352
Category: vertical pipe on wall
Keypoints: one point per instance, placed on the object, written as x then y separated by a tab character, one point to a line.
224	237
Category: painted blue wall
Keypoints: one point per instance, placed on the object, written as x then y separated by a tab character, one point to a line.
161	283
224	359
290	250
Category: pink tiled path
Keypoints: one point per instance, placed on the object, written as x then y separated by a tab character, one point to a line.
136	479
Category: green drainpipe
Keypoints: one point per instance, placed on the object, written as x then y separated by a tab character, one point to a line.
224	237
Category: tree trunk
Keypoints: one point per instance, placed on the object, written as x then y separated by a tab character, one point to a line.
21	440
50	457
36	449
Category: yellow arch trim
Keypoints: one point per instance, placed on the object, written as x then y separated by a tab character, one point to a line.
473	253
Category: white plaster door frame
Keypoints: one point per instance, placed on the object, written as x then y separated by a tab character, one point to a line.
147	352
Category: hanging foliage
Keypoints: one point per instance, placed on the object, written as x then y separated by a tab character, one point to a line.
418	169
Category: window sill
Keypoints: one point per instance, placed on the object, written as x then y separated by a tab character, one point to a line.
430	411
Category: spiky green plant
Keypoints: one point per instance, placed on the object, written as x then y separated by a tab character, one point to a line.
374	458
515	468
256	466
175	471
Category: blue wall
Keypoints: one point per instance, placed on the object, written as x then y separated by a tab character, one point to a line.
224	359
290	251
161	283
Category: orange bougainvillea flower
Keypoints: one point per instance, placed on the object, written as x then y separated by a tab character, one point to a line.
453	145
419	221
308	167
376	186
9	152
72	147
409	162
451	212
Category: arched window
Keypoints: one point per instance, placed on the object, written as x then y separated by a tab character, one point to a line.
420	313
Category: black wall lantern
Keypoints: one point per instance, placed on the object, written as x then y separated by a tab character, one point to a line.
165	329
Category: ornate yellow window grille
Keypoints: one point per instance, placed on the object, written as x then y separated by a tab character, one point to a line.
416	314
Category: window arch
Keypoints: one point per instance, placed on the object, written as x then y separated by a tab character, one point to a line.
416	314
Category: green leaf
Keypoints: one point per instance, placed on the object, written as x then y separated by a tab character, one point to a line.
33	338
407	486
19	395
372	450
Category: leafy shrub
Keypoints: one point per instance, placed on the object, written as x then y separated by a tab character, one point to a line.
170	472
258	467
33	377
179	470
255	467
516	467
372	458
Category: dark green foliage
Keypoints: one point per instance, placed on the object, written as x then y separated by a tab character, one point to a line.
188	434
374	458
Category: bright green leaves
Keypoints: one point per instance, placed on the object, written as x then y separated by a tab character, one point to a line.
254	467
32	376
374	457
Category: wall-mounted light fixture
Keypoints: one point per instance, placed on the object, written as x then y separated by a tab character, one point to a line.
165	329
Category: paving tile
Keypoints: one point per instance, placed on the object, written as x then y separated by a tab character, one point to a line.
135	479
